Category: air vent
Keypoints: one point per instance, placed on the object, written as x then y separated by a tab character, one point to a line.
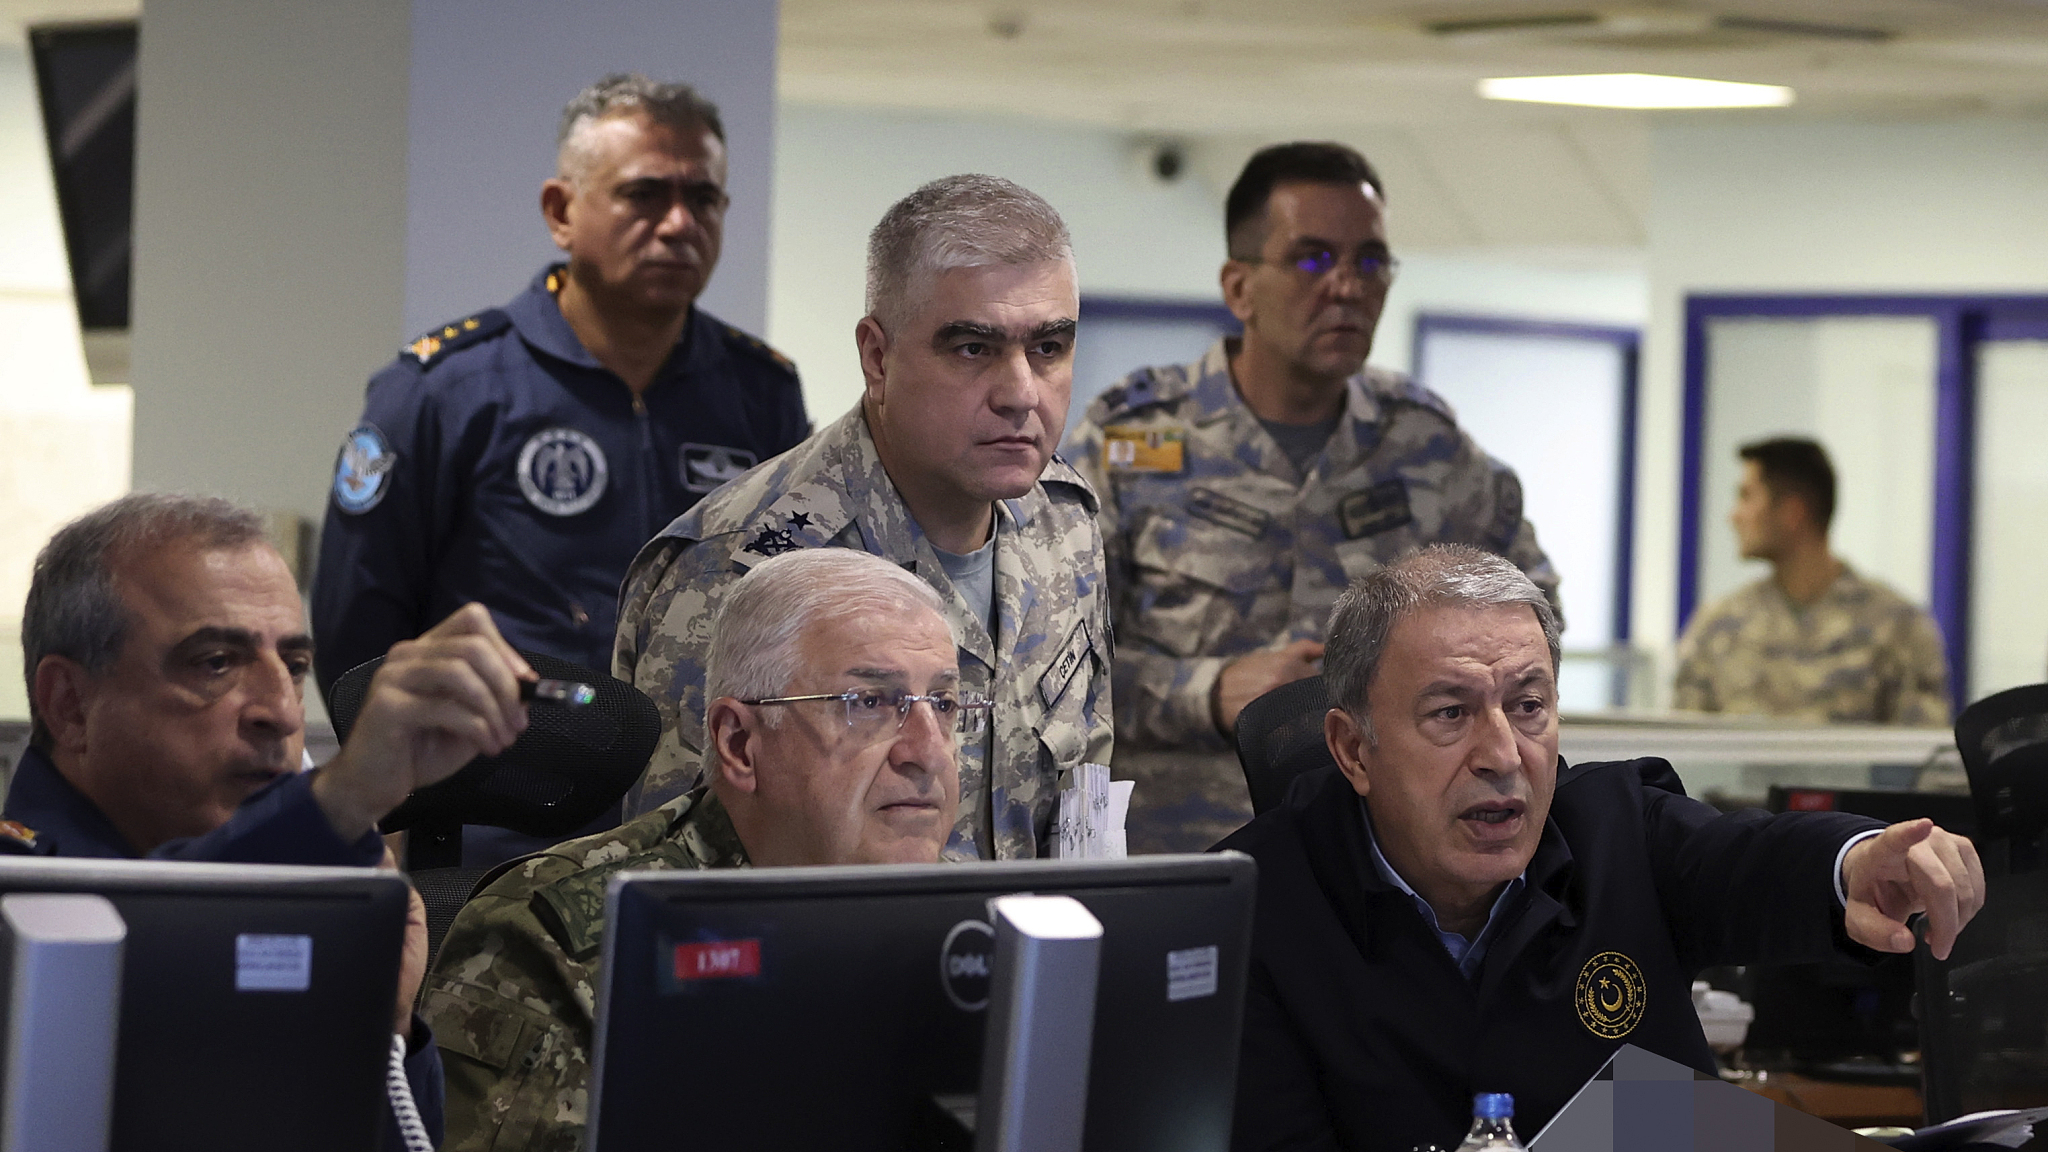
1649	29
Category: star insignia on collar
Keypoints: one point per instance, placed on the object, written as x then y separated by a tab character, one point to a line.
799	520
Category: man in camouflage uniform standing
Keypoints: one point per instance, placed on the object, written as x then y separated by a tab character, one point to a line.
1241	493
1813	640
801	775
946	467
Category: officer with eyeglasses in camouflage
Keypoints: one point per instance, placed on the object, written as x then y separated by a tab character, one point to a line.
944	467
835	723
1243	492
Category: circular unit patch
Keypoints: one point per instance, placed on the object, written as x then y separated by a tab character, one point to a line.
362	470
1611	995
965	960
562	472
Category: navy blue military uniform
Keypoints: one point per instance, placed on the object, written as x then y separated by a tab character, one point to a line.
280	824
1360	1033
498	461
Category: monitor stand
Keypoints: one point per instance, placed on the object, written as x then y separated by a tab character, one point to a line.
1041	1025
62	979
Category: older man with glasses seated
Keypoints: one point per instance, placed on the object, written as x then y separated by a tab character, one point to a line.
833	733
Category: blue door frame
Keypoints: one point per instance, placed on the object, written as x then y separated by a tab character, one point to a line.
1629	342
1961	324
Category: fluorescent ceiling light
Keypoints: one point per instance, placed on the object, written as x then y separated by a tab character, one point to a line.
1635	90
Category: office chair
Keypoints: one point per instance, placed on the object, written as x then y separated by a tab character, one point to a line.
568	768
2004	742
1280	737
1984	1011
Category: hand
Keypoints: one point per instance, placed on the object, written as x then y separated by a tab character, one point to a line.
412	956
1911	867
436	704
1247	678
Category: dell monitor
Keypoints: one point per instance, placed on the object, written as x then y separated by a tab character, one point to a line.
256	1001
780	1009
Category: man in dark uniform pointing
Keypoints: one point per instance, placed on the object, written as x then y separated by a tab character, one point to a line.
1449	909
521	456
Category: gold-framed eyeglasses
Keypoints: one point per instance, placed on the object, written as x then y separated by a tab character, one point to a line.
879	712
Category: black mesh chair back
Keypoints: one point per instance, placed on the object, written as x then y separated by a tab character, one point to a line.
1280	738
569	767
1984	1011
2004	742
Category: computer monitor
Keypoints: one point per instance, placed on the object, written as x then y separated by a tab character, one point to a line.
802	1008
1839	1019
256	1001
1986	1006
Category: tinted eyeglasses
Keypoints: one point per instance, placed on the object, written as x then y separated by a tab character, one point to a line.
1316	263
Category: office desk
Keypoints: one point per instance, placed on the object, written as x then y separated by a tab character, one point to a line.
1848	1104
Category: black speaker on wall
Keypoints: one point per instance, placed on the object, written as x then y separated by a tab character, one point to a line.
85	75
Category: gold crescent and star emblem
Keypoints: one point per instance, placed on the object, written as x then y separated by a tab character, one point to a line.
1611	995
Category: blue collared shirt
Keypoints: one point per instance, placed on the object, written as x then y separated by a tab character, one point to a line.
1468	955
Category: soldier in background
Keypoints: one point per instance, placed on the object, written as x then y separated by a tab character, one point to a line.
821	756
1813	640
521	456
1242	493
945	467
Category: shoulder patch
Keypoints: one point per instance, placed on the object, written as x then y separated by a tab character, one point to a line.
757	348
1146	386
436	344
1402	389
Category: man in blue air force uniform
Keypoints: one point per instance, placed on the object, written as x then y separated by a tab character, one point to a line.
166	653
1450	910
521	456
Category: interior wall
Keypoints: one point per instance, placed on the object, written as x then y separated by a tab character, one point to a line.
482	137
839	169
1744	204
67	441
270	200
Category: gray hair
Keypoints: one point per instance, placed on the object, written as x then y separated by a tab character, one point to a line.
73	610
970	221
754	637
1455	575
676	106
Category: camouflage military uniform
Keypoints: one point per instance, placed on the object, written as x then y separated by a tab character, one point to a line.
1218	547
513	994
1052	647
1860	652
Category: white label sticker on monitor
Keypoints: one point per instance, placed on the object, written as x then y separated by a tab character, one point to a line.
1191	972
275	963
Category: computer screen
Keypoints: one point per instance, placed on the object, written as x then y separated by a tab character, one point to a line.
1987	1006
803	1008
256	1001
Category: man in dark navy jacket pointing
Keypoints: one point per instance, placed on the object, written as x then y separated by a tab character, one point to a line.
1450	910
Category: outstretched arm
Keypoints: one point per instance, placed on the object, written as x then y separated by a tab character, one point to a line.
436	703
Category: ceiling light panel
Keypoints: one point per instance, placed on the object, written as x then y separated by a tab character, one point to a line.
1635	90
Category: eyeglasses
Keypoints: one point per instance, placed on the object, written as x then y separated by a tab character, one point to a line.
879	712
1370	267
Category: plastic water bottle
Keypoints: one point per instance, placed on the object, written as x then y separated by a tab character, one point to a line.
1492	1126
